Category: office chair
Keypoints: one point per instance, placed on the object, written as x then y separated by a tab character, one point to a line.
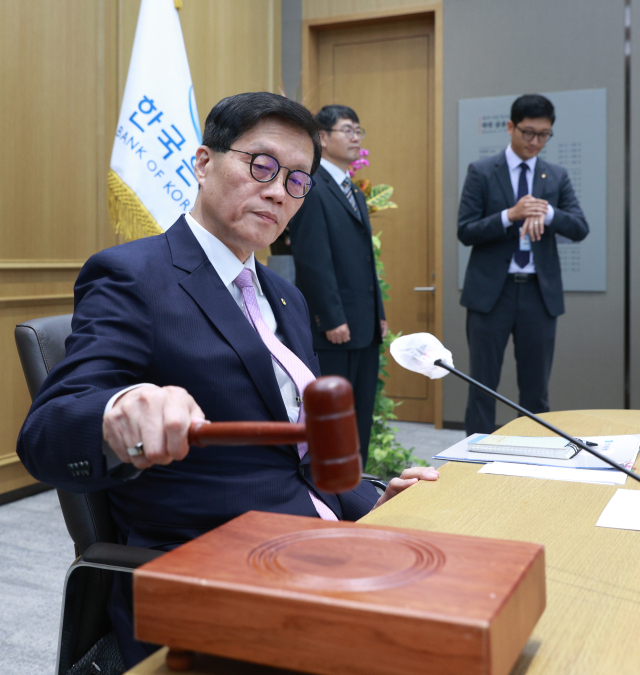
84	620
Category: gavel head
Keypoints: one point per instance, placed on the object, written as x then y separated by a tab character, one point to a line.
332	434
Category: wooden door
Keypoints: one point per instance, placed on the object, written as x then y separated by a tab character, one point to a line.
384	71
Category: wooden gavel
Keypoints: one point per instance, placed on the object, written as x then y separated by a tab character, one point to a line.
330	431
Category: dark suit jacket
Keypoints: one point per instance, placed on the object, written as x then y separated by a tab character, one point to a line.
155	311
335	265
487	192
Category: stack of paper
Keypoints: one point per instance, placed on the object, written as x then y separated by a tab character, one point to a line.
602	476
622	450
622	512
583	467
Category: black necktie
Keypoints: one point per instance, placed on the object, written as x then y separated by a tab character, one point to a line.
521	257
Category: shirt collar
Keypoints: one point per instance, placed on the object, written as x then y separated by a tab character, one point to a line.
334	171
514	161
223	260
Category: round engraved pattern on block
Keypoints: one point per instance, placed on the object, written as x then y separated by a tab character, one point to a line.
346	559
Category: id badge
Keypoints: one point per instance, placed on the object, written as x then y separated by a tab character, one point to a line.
525	242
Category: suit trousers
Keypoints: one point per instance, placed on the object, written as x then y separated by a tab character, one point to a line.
520	311
360	367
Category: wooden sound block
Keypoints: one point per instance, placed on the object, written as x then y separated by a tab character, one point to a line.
325	597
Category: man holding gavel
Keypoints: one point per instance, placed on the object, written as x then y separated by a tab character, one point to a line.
187	326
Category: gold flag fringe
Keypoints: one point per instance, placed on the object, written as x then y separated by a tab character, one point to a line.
129	216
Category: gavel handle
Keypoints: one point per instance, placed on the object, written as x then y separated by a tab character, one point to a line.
245	433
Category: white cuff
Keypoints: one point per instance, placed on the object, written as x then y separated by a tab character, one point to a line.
550	213
116	396
505	218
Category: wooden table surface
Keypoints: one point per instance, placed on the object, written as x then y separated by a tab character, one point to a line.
591	625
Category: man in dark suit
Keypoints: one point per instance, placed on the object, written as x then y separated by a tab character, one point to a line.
335	267
512	207
169	330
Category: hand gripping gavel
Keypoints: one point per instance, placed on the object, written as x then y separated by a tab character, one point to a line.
330	431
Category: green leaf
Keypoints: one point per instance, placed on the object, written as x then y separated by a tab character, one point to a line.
380	195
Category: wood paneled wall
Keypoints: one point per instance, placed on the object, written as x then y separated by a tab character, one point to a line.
63	70
322	9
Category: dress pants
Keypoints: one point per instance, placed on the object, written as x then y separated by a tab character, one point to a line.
360	367
520	311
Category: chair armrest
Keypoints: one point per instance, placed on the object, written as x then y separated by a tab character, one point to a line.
119	555
376	483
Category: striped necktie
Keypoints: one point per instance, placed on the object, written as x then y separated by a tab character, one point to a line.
347	188
289	362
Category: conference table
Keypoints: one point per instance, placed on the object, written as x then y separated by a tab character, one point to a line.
591	624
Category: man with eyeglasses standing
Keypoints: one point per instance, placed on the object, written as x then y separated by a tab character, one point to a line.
187	326
512	207
335	267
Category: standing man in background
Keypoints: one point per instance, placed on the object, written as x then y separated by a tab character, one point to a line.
511	208
335	267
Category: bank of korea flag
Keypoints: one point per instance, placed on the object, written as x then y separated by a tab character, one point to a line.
151	181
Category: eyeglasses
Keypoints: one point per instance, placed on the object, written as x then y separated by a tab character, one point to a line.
528	135
264	168
352	132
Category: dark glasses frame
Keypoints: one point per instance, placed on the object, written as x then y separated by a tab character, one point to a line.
255	155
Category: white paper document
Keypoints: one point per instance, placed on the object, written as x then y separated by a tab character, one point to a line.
620	449
622	512
555	473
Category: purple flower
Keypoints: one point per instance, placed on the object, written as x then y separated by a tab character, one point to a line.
359	163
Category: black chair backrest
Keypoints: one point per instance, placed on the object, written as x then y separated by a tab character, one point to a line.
40	345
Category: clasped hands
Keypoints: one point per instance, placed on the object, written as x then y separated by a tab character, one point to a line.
160	417
533	211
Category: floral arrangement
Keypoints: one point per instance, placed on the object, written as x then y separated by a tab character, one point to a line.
378	197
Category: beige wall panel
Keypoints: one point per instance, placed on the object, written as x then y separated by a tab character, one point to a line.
63	70
320	9
31	283
51	128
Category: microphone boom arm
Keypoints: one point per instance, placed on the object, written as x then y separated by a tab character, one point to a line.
520	409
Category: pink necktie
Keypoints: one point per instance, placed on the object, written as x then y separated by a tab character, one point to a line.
288	361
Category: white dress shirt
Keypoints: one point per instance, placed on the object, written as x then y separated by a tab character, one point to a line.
334	171
514	162
228	267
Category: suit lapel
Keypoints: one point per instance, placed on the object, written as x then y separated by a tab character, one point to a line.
504	179
539	183
362	205
337	192
207	290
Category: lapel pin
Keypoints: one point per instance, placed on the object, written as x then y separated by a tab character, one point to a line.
544	175
283	302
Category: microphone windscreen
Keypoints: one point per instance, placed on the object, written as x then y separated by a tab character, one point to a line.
419	351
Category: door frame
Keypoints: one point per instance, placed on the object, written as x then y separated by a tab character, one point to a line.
310	30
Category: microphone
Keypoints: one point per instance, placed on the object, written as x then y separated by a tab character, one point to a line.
424	353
